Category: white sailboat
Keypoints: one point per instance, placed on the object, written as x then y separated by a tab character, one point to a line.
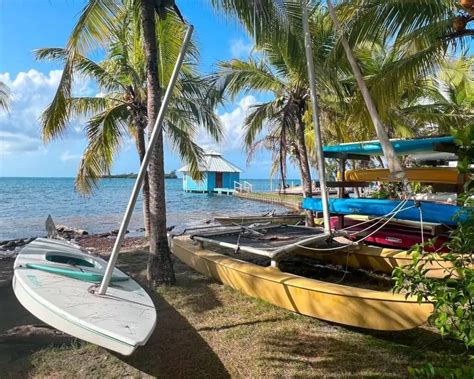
58	282
55	281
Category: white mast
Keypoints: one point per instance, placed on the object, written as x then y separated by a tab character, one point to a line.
317	127
144	166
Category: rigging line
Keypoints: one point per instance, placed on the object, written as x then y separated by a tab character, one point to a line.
360	240
345	269
403	202
396	210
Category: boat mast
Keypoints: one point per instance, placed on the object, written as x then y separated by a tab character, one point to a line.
144	166
316	124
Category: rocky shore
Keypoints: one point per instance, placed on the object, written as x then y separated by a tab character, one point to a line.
101	242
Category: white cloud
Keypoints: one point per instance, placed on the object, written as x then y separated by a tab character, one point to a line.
240	49
232	125
31	92
67	156
19	143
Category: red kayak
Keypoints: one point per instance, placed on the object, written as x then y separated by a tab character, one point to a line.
393	236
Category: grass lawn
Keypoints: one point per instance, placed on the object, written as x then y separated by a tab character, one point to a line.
209	330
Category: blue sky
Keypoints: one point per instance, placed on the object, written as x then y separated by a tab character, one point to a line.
29	24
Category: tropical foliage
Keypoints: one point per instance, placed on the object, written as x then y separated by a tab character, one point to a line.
412	94
452	296
99	23
4	96
120	110
283	116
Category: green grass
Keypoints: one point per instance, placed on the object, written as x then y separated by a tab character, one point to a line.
209	330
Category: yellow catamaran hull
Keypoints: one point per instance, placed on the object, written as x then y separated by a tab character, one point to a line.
378	259
326	301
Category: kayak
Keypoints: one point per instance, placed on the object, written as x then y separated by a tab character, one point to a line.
411	210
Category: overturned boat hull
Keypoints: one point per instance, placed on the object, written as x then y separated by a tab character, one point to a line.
410	210
327	301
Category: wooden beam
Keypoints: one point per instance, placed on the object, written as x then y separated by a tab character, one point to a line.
345	184
337	155
446	147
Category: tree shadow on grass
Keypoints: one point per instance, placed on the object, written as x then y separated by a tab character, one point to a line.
175	349
421	338
341	354
192	287
22	334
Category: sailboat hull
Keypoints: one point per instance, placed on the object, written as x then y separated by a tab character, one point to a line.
121	320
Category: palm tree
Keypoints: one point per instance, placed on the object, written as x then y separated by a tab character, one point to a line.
411	110
4	97
96	26
282	74
421	33
122	108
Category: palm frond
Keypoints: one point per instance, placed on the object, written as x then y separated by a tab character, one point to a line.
54	118
238	76
189	151
105	132
5	97
97	21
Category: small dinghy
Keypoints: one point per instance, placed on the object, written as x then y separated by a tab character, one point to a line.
57	282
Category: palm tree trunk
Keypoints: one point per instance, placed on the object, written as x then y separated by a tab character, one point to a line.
141	148
282	171
160	265
304	168
392	160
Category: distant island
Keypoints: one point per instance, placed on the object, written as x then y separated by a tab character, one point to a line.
171	175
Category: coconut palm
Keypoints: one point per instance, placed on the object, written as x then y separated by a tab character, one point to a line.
282	74
4	96
95	28
122	108
423	32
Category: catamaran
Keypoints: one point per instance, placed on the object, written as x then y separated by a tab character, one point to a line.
212	252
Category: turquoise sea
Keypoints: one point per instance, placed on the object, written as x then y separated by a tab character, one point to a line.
26	202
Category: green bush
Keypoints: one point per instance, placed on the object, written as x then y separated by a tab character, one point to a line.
453	295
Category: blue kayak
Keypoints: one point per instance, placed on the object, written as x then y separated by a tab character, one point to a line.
401	146
431	212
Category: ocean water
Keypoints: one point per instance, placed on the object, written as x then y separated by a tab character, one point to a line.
26	202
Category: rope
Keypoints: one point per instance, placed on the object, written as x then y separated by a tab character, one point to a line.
358	241
394	210
345	269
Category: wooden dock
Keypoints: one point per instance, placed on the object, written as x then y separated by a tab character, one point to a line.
290	201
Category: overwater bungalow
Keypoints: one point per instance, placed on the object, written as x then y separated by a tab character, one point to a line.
219	175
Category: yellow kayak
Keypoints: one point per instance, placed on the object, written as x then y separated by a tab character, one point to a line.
441	175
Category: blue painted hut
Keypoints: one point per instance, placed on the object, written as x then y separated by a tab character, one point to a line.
219	175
